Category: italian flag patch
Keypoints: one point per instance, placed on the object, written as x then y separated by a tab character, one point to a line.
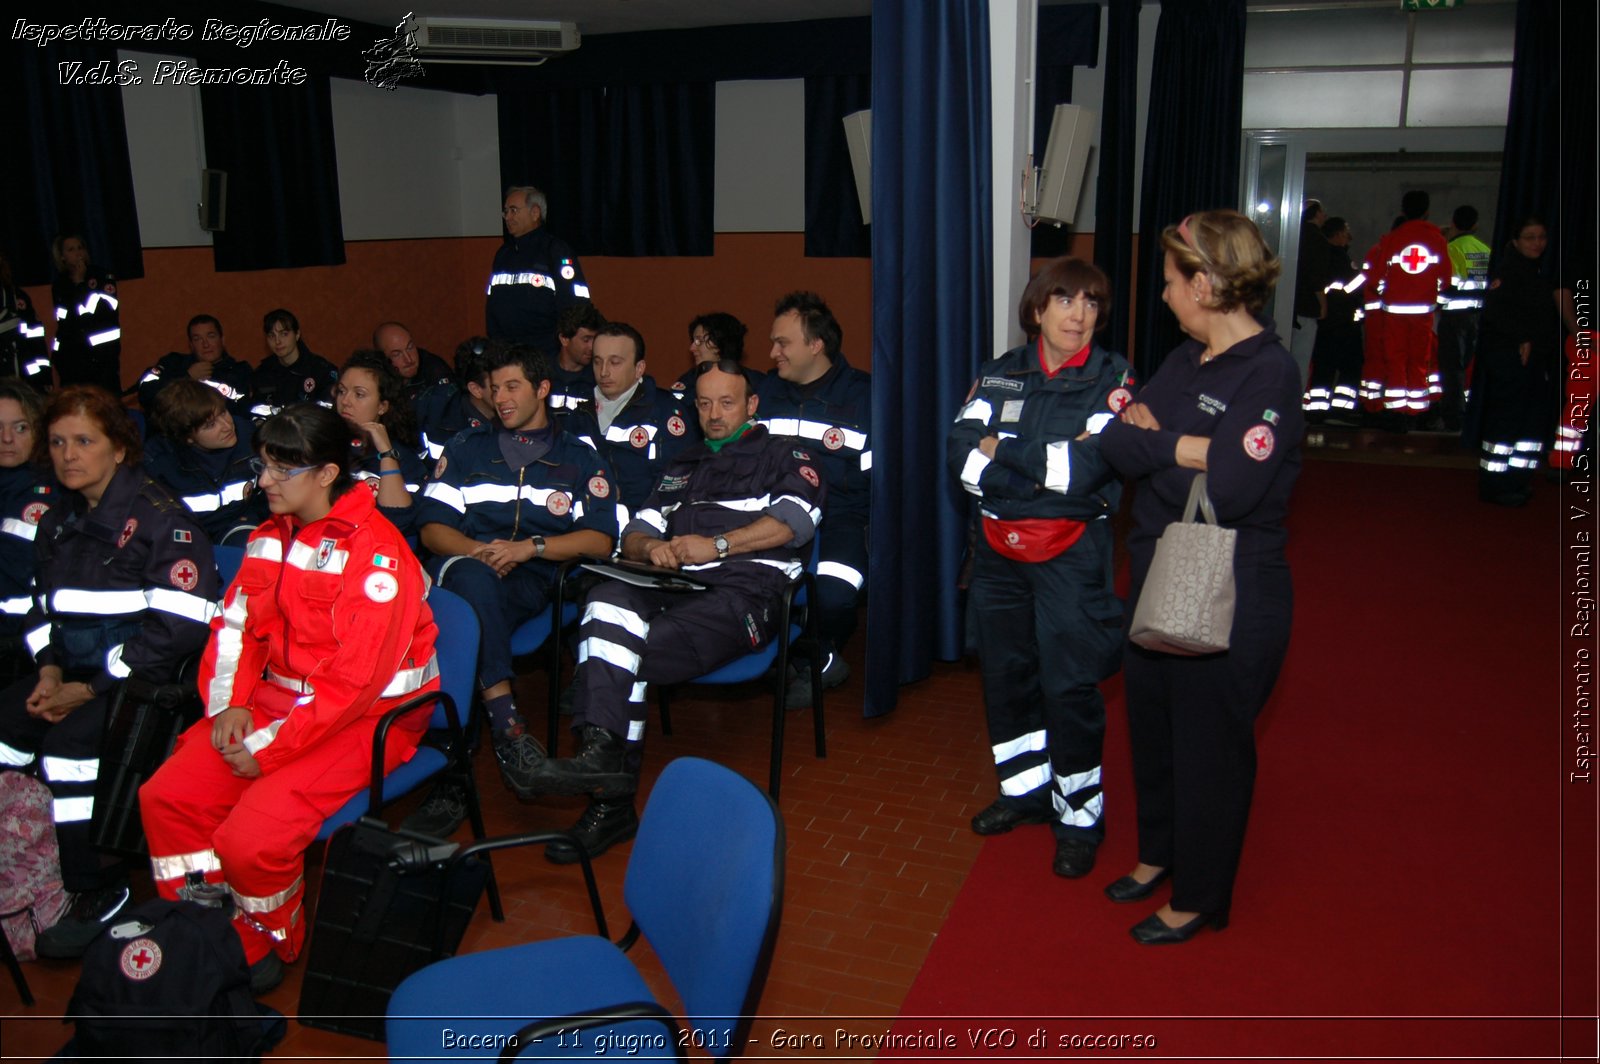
383	561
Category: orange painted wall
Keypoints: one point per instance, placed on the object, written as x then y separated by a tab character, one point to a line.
437	288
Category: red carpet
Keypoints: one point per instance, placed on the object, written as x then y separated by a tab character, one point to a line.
1400	892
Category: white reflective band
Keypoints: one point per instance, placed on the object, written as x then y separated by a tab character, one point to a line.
1022	744
972	471
73	810
36	366
446	494
1087	817
635	730
37	639
33	332
624	433
1525	463
1025	781
1493	467
606	650
1528	445
653	518
1058	466
1498	448
266	904
566	402
407	681
150	377
1077	781
259	740
230	642
840	571
977	410
17	607
1462	304
15	526
637	694
263	410
505	493
178	866
581	291
608	613
745	505
814	430
10	755
537	280
1315	406
114	663
1408	308
435	450
866	461
105	603
182	604
202	504
306	557
61	314
1097	422
266	548
230	392
96	339
70	770
95	299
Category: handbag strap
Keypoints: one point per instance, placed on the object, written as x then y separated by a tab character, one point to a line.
1200	501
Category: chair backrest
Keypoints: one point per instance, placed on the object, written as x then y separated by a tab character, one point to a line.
228	561
457	648
705	886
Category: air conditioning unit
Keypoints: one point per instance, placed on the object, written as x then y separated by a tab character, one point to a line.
489	41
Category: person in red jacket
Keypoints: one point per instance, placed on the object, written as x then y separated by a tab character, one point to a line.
324	630
1411	270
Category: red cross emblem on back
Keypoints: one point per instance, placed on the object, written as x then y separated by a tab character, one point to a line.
1415	258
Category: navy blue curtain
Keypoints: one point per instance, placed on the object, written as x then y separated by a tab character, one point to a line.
1113	199
1191	144
932	273
64	167
627	168
833	209
283	178
1547	167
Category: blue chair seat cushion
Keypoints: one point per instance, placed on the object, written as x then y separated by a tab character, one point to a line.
531	634
508	988
427	762
751	666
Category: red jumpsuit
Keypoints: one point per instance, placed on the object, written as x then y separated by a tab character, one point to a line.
324	630
1411	269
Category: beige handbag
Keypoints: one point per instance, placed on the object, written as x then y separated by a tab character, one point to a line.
1186	605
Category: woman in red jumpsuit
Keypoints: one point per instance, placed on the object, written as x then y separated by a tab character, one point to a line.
323	631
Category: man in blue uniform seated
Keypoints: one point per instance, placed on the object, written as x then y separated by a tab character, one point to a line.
534	276
207	361
419	368
817	397
572	373
506	504
639	427
447	409
738	512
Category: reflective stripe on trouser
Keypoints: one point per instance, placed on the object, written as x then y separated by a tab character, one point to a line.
841	576
1515	402
1404	362
252	834
631	636
1046	633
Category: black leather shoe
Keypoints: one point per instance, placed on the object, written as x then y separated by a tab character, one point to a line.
1074	858
997	818
265	974
597	767
90	913
604	824
1129	889
1152	931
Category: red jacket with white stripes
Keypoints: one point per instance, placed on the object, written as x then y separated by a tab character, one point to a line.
1412	267
333	614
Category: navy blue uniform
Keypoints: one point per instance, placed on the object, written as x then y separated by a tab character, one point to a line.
570	388
645	435
632	636
22	346
1048	625
218	487
534	278
833	417
229	376
88	344
432	371
25	495
1191	719
560	485
127	588
275	385
367	467
443	412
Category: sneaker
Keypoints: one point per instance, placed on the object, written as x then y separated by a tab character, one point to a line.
442	812
265	974
519	756
89	913
834	672
604	824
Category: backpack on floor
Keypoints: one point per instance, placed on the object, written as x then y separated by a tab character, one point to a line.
169	981
32	898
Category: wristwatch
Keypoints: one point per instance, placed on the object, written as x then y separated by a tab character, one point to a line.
721	543
393	452
538	546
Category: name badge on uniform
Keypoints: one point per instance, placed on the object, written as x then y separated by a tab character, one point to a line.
1011	410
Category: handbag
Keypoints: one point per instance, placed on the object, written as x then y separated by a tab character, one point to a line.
1186	606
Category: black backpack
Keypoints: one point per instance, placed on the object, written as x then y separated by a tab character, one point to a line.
169	981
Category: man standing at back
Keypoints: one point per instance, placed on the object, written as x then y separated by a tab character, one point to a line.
1411	267
533	277
817	397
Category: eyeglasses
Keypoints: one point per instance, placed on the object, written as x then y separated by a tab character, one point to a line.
276	472
703	341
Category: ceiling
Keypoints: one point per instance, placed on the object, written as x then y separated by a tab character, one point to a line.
597	16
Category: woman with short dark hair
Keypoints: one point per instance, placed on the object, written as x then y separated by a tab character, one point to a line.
201	451
291	373
371	397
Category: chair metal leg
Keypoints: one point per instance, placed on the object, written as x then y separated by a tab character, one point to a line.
663	705
780	714
15	967
475	818
816	704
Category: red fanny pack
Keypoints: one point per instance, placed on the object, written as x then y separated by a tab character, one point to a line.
1033	539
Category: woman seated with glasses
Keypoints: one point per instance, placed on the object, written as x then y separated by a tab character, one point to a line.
324	630
201	452
713	337
370	396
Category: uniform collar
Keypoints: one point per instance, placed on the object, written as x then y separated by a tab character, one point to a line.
107	520
352	508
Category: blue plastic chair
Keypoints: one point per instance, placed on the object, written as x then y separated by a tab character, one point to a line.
705	888
228	560
792	635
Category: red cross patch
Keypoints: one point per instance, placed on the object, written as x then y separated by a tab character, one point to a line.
639	437
127	532
811	476
599	487
184	574
141	959
1013	540
1258	442
558	503
310	385
1415	258
676	426
833	439
1119	398
33	511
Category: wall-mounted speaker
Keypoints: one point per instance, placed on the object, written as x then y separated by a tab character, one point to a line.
1066	160
858	135
213	200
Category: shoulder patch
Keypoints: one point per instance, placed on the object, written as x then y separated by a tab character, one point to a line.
1258	442
811	476
127	532
184	574
599	487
